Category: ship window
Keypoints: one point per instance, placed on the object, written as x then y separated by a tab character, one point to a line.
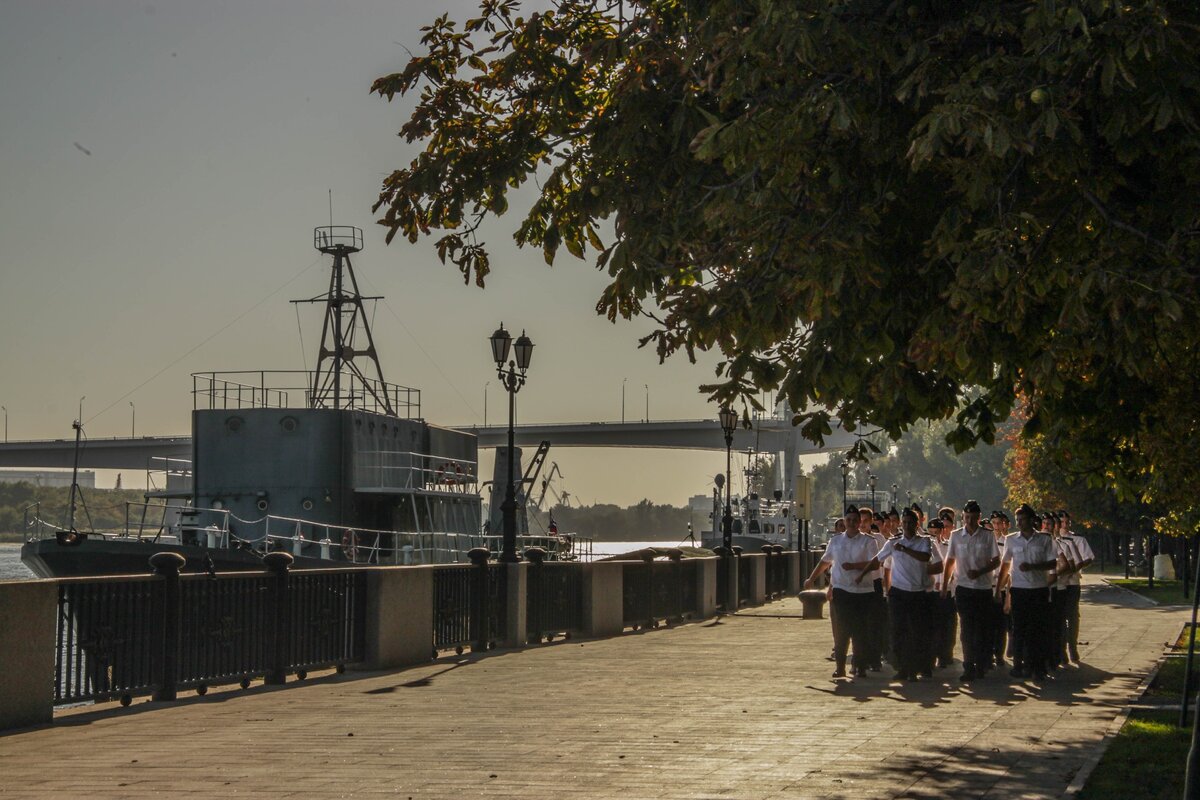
306	504
289	424
234	424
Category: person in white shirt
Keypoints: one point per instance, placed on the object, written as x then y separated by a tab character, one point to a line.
944	612
1072	581
909	556
1029	557
1001	621
971	558
846	555
1064	566
877	621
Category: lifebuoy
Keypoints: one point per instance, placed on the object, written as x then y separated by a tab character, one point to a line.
350	545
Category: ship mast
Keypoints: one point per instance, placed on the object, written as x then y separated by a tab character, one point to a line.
345	318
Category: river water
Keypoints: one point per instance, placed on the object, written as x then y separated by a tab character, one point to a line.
11	568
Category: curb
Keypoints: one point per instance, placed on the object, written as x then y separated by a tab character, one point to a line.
1081	777
1139	595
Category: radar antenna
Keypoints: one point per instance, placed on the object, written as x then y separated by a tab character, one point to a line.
345	317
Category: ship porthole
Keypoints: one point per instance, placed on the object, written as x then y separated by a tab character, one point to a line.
289	424
306	504
233	424
262	504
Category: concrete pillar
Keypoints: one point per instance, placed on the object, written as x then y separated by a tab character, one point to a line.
399	617
706	587
731	585
516	605
28	610
603	599
795	573
757	564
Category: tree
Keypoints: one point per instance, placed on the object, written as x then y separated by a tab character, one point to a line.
871	206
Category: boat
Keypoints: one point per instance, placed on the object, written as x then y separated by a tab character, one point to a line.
334	466
757	519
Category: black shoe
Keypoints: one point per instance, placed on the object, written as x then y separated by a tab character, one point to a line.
913	677
900	676
839	673
1074	656
1018	672
1040	677
1000	662
969	676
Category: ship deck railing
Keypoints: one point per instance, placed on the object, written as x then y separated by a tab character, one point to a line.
405	470
298	389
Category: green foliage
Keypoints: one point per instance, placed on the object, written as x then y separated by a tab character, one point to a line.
106	506
871	206
922	464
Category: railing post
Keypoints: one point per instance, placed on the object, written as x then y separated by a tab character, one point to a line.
278	563
768	552
167	566
480	607
780	572
537	594
735	580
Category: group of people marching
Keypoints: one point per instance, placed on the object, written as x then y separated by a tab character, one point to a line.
900	594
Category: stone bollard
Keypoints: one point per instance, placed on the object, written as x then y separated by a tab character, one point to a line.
278	564
812	600
167	564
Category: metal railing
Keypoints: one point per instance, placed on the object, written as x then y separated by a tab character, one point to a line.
745	588
553	597
776	569
469	604
655	591
402	469
121	637
277	388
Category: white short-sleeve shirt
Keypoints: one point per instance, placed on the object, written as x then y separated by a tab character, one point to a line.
908	573
1081	552
995	574
939	556
972	551
1037	549
842	549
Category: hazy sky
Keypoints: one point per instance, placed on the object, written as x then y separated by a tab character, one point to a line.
162	165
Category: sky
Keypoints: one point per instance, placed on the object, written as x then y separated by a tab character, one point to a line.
162	166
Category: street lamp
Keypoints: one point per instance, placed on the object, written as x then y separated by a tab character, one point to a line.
512	379
5	422
871	481
132	420
845	477
728	425
647	401
623	380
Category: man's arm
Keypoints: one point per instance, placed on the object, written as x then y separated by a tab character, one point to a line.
820	569
984	570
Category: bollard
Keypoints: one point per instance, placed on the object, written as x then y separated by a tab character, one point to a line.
167	566
722	578
535	556
812	600
278	564
481	608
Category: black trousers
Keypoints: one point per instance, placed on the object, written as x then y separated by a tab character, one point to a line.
1031	617
1058	622
974	615
945	625
1000	625
877	625
911	630
853	611
1072	615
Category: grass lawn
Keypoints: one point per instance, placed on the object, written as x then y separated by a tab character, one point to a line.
1164	592
1145	761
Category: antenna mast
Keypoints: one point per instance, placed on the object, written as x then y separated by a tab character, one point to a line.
344	318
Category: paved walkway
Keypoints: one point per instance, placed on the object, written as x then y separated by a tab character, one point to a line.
740	707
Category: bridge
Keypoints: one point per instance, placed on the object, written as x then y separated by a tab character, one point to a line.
767	435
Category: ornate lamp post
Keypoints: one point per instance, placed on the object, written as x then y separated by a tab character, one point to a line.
845	477
728	425
872	481
512	378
